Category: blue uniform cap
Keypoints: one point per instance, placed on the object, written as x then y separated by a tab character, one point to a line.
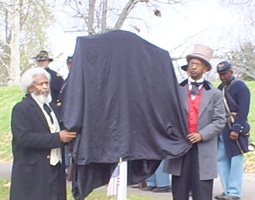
223	67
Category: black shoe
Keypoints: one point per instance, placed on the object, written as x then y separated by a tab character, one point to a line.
148	188
220	197
162	189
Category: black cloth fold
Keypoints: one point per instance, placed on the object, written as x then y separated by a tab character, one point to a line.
123	99
98	174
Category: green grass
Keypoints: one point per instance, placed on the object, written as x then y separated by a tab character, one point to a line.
250	157
9	96
4	189
251	115
95	195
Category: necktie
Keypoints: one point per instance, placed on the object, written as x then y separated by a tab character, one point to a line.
195	86
48	111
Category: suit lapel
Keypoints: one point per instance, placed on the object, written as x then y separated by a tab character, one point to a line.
205	99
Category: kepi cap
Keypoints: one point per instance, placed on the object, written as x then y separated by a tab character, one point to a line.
223	67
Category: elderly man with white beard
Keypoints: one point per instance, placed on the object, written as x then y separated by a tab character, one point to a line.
37	143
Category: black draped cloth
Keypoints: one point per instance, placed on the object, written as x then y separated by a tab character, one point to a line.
122	98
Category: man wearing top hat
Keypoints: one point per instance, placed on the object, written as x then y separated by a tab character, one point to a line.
195	171
233	140
43	60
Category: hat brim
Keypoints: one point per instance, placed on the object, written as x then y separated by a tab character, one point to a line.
184	67
200	57
42	59
224	71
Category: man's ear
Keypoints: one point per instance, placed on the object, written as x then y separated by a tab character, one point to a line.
205	69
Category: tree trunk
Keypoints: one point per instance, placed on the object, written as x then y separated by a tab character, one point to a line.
126	10
104	15
14	73
91	16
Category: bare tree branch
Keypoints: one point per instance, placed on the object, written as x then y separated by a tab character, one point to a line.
126	10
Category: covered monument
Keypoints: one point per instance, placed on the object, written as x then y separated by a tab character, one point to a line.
122	98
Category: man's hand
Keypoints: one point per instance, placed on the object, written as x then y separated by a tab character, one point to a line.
66	136
233	135
194	137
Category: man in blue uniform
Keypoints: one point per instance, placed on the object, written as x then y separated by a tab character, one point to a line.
233	141
43	61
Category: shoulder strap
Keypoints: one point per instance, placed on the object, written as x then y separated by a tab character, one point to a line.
226	104
228	88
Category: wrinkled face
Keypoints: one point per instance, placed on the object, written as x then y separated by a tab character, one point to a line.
225	77
40	89
196	68
43	63
40	85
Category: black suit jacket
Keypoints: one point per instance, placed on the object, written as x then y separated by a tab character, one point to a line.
31	145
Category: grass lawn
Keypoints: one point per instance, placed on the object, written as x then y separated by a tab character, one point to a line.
95	195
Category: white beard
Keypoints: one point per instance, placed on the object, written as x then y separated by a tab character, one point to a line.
42	99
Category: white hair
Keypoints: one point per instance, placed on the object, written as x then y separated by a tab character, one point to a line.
27	79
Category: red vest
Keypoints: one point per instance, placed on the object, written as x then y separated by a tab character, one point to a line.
193	111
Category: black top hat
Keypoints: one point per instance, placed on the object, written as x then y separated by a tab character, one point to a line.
43	55
223	67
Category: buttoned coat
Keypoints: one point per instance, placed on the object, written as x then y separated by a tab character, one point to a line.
31	144
238	101
56	83
211	121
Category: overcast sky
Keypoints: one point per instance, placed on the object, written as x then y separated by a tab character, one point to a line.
205	21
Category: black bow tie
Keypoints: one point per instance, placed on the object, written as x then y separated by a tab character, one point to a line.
195	85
